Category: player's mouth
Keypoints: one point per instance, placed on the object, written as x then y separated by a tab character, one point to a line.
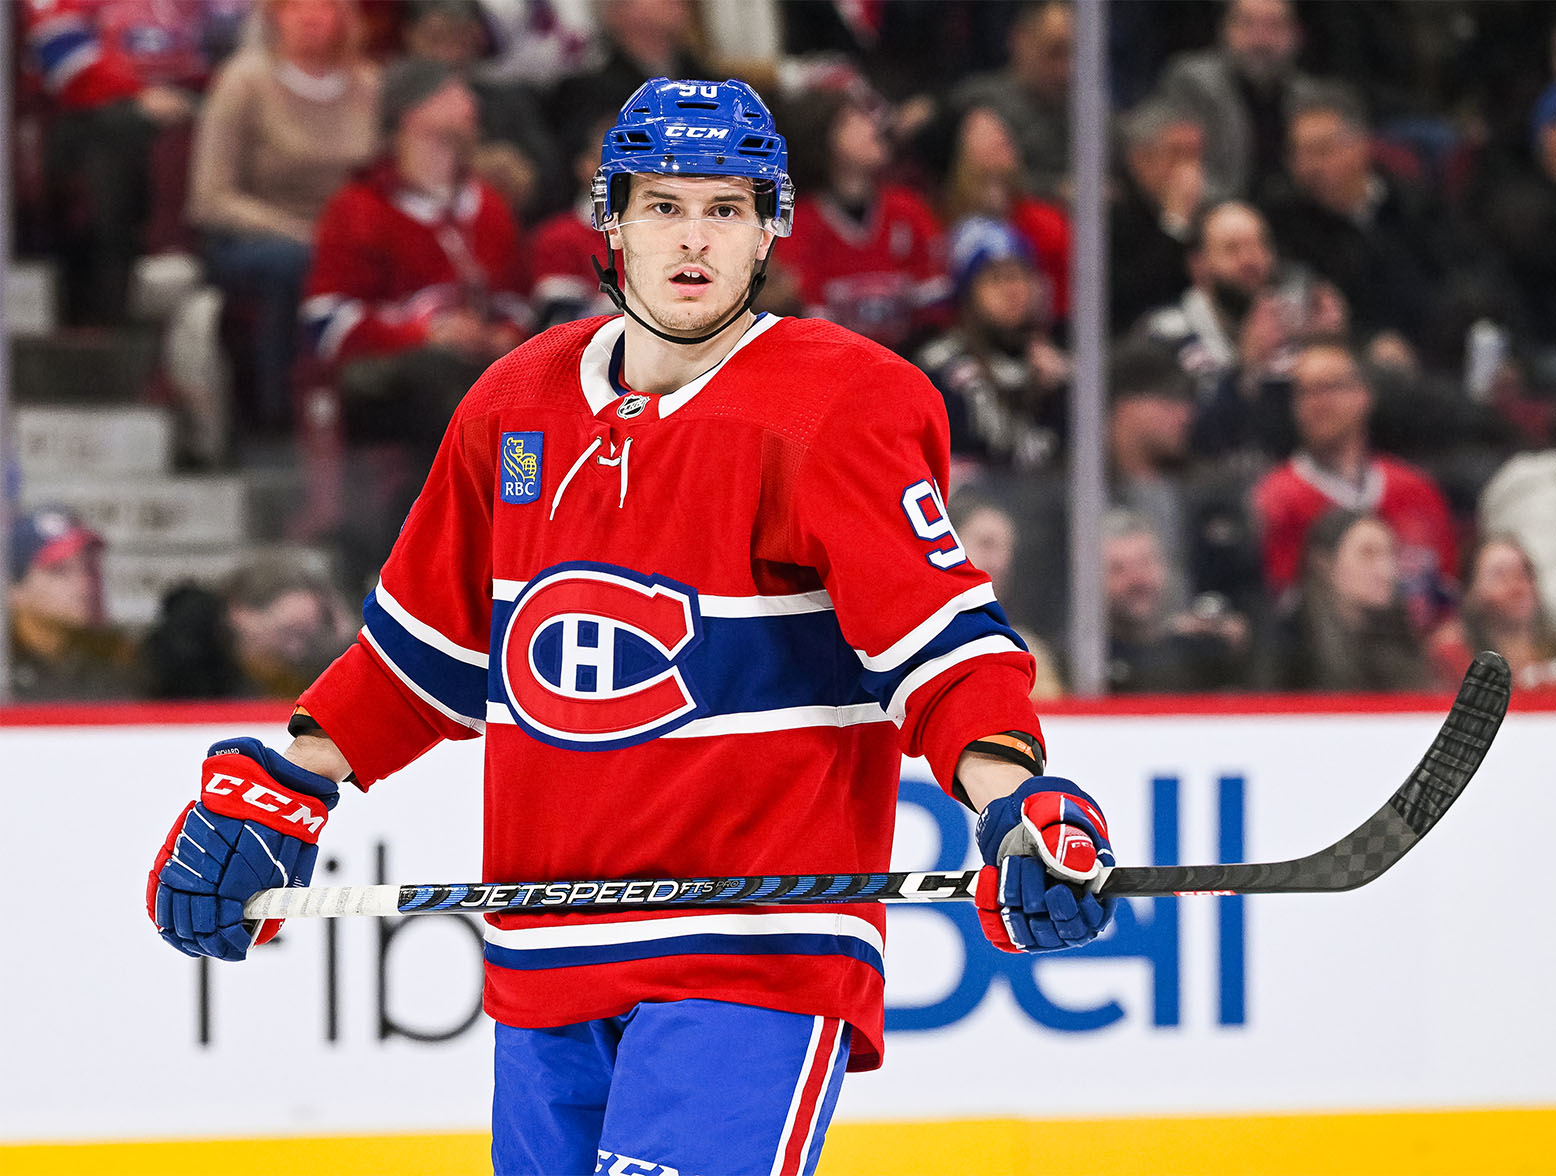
691	277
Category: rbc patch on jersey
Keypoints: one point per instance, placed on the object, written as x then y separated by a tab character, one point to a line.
518	477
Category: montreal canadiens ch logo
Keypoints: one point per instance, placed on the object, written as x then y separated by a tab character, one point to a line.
592	656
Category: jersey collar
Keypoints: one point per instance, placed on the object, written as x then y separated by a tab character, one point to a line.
594	368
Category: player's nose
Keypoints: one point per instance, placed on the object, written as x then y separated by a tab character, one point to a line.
694	235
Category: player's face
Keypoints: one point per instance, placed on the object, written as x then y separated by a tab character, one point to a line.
1504	584
1330	400
690	245
1237	248
1366	569
1134	577
64	592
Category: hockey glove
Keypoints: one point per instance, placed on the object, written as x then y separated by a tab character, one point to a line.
1047	849
256	825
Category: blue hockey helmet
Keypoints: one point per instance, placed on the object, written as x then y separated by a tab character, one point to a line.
696	128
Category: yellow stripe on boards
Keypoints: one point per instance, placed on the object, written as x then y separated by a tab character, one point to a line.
1448	1143
1444	1143
464	1154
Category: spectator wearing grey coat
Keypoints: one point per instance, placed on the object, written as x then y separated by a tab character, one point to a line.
1238	91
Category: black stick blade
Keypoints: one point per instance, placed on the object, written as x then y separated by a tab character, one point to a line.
1385	837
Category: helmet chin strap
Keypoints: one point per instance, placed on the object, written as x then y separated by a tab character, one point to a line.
610	286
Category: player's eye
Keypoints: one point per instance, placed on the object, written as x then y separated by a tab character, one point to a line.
662	208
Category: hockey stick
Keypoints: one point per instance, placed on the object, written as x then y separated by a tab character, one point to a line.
1353	861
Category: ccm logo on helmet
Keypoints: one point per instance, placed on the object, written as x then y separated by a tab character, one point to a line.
676	131
592	656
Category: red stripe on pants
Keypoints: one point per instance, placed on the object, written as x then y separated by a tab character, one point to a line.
810	1098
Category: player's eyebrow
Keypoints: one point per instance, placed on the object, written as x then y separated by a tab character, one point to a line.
734	196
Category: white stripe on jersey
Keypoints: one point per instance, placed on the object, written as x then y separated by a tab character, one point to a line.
764	606
748	722
927	630
596	933
425	633
715	606
470	721
787	719
898	709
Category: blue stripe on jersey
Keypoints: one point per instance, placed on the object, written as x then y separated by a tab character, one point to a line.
52	51
537	958
766	663
964	627
456	685
744	664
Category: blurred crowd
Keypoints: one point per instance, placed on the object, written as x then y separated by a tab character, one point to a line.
1331	291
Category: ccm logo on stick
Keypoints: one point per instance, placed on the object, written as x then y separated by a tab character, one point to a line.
593	656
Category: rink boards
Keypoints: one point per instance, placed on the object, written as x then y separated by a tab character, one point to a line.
1404	1027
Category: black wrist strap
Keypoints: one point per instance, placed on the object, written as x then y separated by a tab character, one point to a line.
302	723
1015	747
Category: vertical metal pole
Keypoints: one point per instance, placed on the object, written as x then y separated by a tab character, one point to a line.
1088	310
7	452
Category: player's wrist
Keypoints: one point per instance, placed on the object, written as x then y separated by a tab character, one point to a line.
995	766
984	780
313	750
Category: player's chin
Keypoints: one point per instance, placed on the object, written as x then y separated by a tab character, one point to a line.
694	318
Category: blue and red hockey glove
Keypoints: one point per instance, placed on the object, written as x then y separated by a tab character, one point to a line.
1047	849
255	825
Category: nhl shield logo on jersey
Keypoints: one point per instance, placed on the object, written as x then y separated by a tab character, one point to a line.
519	478
592	656
631	405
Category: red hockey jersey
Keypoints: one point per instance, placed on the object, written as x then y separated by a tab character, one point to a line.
697	629
1292	497
388	259
566	286
86	53
883	278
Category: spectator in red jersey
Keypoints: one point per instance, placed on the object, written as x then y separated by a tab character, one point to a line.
286	122
566	244
869	257
982	177
417	270
61	648
1159	190
1334	466
1002	376
1501	610
1348	628
111	77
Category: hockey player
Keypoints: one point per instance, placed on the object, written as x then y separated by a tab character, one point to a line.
689	570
